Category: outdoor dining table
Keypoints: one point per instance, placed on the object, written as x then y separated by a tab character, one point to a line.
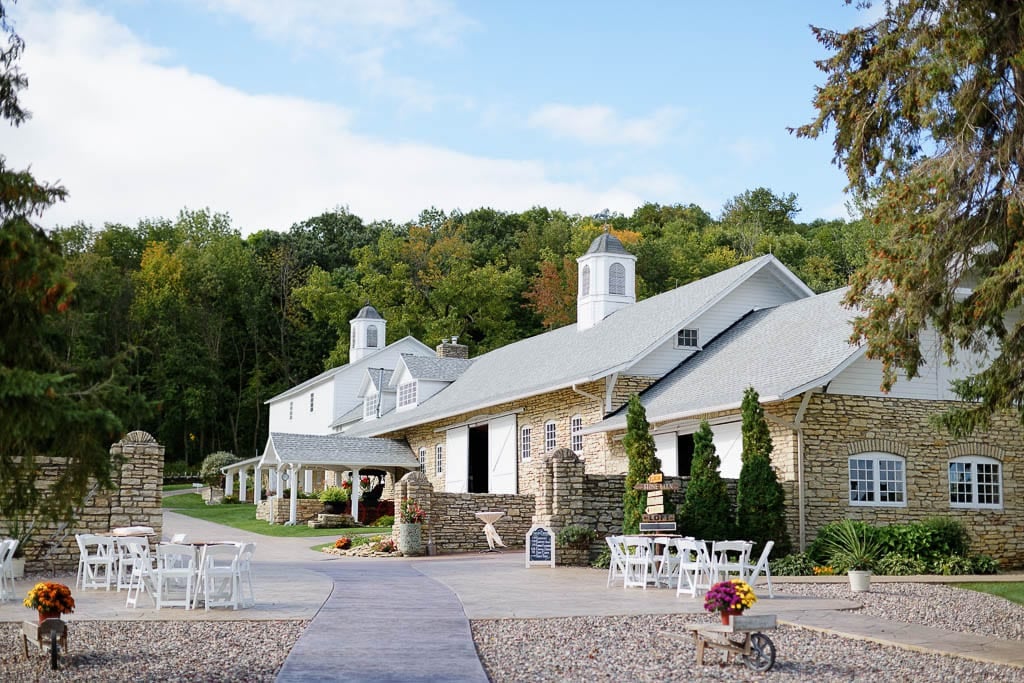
200	549
489	518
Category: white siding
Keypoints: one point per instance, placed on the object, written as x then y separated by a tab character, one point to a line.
501	455
665	448
728	442
428	388
457	470
303	421
762	290
864	376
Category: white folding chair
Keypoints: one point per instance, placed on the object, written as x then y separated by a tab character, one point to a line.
126	558
7	547
245	575
639	561
695	567
761	567
141	579
617	561
96	561
179	538
220	575
174	576
730	557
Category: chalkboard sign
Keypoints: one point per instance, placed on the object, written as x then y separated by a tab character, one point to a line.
540	546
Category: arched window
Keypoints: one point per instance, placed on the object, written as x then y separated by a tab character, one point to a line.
617	279
975	482
878	479
585	281
371	336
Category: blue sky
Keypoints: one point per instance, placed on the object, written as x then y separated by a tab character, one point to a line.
277	110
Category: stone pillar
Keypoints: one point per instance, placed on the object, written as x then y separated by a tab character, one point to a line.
560	495
416	486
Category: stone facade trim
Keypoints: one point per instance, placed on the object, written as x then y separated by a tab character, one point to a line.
877	445
987	450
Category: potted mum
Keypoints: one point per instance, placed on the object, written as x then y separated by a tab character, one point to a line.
729	598
50	600
410	534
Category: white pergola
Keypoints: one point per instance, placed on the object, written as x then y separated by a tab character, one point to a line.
286	456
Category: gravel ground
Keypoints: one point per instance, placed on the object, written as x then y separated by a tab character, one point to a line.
630	648
156	651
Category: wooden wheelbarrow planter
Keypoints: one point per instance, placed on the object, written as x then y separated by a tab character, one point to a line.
755	648
50	633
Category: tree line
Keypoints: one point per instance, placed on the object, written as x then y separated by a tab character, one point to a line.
207	324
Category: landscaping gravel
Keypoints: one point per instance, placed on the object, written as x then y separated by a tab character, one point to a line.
631	648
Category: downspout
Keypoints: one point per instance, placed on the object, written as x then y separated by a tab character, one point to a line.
586	395
797	426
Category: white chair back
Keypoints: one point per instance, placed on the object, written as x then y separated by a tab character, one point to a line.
639	552
730	557
7	548
755	571
616	559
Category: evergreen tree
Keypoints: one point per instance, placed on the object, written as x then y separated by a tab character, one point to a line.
760	499
49	416
707	511
642	463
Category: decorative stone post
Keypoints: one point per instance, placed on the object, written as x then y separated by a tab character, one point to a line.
560	497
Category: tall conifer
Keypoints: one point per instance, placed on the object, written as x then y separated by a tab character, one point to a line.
642	463
760	499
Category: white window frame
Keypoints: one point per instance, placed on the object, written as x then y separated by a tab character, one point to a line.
585	281
291	410
970	466
439	459
617	279
423	459
407	394
685	335
371	336
525	436
312	395
870	468
576	434
550	436
370	405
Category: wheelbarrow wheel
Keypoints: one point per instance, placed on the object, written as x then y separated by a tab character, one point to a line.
762	653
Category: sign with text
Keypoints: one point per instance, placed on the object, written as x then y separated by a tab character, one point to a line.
659	517
664	486
540	546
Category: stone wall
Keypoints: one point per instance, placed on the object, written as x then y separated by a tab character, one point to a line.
838	426
134	500
278	510
451	524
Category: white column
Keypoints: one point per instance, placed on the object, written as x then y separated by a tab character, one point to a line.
257	485
357	492
229	483
275	482
307	484
243	483
293	507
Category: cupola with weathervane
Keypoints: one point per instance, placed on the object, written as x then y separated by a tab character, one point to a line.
366	333
607	280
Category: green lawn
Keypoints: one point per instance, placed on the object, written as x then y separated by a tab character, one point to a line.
243	516
177	487
1013	591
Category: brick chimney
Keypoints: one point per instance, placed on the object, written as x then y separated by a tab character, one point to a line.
451	348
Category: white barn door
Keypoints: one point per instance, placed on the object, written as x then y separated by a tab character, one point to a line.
457	449
501	455
665	449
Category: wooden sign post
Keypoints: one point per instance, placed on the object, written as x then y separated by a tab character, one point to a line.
654	518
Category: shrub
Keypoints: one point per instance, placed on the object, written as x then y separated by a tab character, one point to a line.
983	564
384	520
895	564
210	471
853	546
333	494
385	545
343	543
603	559
229	500
797	564
952	565
576	534
930	540
706	510
760	499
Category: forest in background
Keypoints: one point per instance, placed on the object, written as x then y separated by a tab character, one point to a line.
200	325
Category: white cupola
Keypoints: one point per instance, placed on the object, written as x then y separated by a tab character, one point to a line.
607	280
366	333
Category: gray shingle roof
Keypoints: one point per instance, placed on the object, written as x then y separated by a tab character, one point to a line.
441	369
779	351
351	416
606	243
368	312
567	355
380	377
336	449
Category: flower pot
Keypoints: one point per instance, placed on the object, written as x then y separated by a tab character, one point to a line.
727	615
860	581
47	614
410	538
335	507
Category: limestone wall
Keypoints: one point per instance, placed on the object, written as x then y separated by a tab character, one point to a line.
278	510
839	426
134	500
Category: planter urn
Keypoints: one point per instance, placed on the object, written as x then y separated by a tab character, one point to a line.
860	581
410	538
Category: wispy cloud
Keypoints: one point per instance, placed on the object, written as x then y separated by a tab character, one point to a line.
601	125
131	137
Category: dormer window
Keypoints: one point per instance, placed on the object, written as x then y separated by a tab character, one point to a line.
686	338
407	394
617	279
371	336
585	281
370	405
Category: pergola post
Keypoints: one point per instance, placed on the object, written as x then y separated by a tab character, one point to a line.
307	483
293	506
243	483
257	485
357	492
229	483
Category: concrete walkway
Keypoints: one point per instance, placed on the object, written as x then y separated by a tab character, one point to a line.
408	619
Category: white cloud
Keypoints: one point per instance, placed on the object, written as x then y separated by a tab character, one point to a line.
131	138
600	125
